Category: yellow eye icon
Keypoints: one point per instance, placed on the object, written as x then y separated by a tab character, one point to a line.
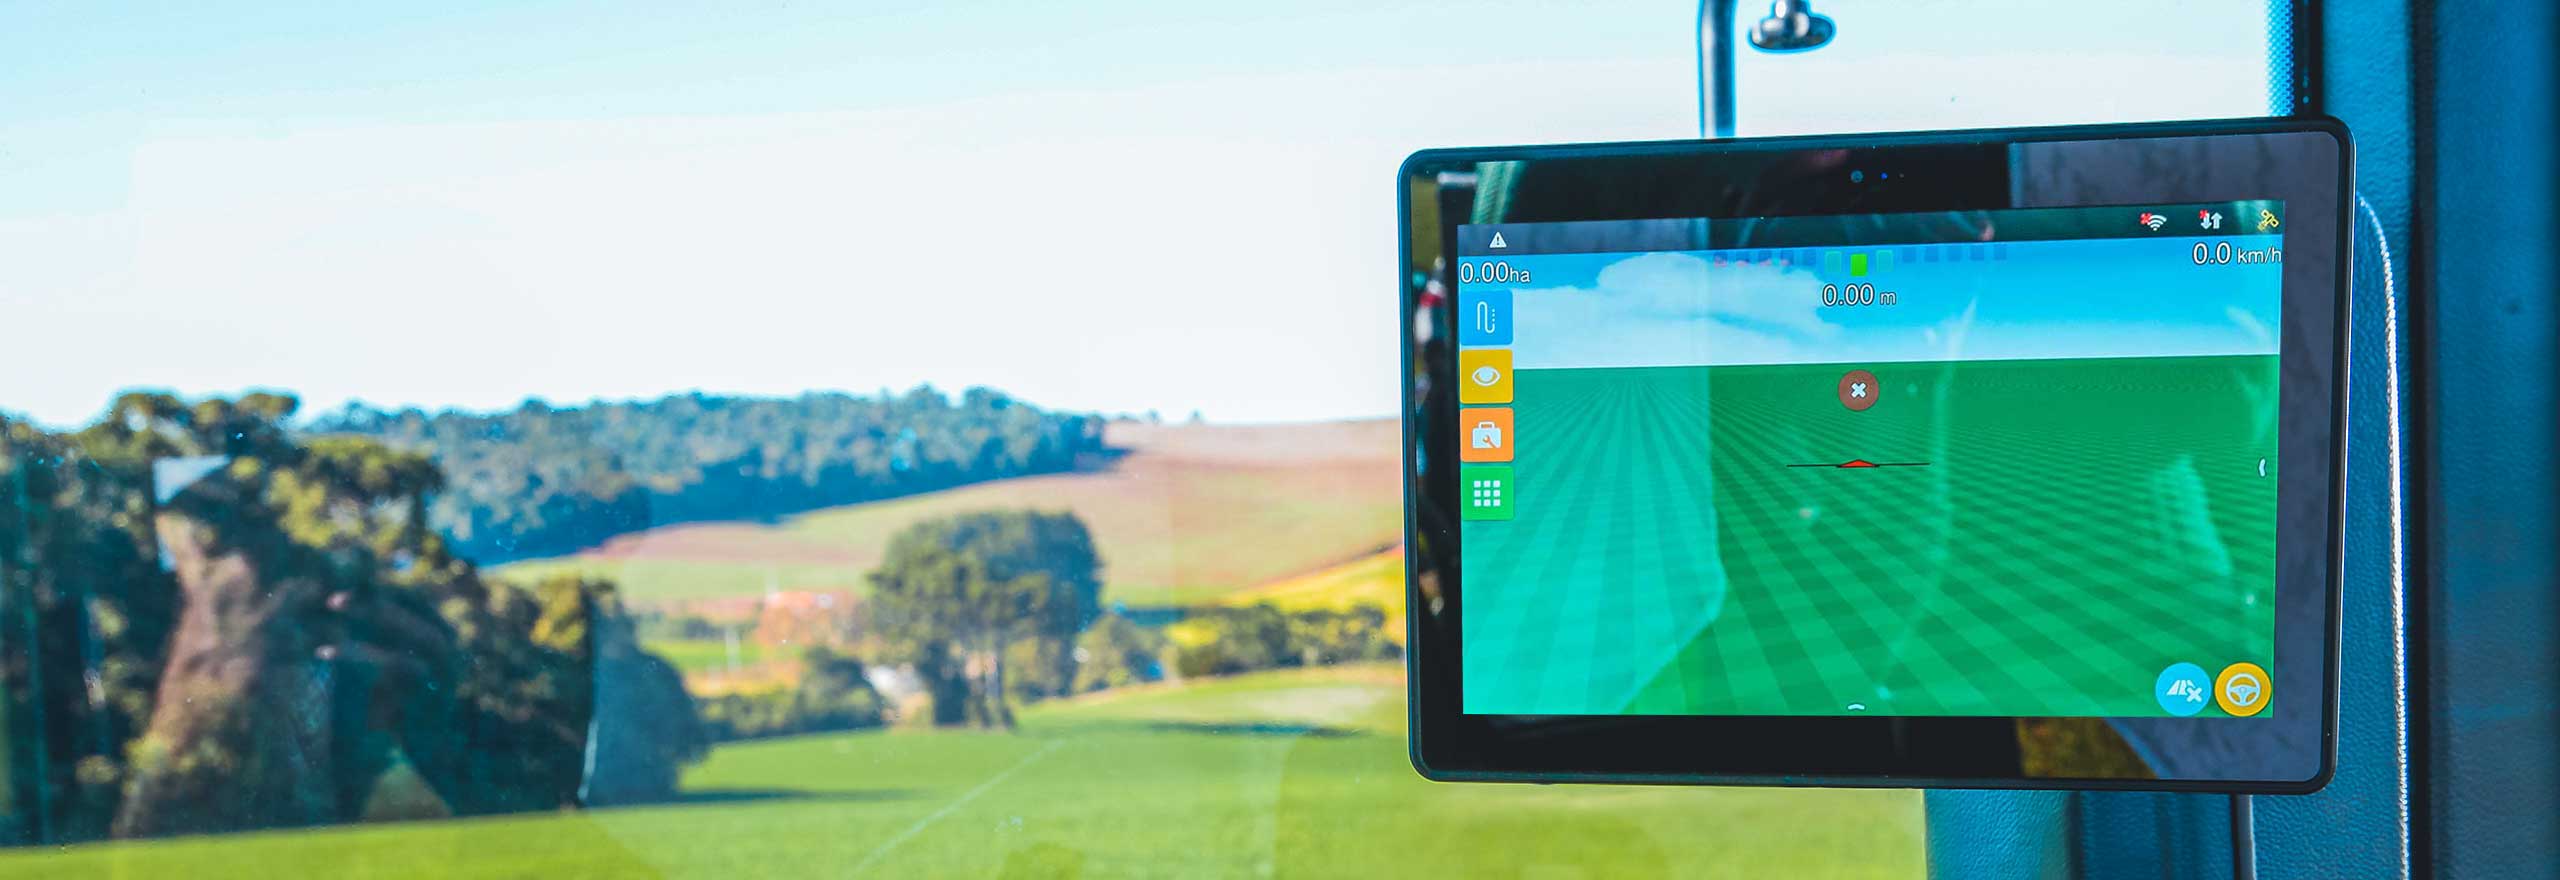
1484	375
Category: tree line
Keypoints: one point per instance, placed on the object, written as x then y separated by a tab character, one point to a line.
210	623
540	480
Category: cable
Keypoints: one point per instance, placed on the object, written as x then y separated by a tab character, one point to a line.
2244	839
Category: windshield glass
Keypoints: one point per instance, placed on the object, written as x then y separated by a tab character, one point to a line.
501	441
1898	65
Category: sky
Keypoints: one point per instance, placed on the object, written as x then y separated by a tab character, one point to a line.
1115	206
2124	297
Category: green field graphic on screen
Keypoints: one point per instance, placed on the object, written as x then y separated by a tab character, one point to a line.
2013	479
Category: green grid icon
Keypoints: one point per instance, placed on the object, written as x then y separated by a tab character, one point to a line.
1485	492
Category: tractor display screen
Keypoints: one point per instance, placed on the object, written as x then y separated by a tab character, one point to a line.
2017	462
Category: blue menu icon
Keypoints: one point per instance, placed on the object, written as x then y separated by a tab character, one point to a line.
1484	317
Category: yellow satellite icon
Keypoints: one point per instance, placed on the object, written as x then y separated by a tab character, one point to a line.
2267	220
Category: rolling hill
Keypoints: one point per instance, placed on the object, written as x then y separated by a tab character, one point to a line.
1183	514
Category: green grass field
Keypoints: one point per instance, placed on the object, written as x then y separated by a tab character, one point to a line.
2079	526
1291	774
1191	513
704	655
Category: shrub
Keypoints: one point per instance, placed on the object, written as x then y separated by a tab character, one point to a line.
1226	641
833	694
1117	652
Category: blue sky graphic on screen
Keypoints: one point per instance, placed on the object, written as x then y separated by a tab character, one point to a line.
2012	300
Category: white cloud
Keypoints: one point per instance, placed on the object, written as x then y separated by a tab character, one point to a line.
1685	284
1676	309
1673	308
2249	324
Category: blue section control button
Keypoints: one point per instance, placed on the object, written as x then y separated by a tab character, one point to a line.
2184	689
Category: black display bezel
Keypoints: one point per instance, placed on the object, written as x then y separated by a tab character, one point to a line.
1799	176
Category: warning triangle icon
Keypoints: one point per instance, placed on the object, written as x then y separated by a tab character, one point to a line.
1497	242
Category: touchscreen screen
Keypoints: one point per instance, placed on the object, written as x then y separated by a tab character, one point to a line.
1993	463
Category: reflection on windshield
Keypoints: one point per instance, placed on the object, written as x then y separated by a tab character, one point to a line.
575	536
909	635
